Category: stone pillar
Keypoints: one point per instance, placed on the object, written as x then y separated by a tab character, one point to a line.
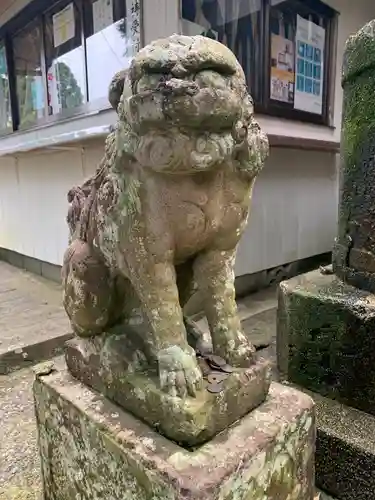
326	320
354	249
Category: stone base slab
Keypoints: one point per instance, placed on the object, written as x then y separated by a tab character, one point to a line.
326	338
91	448
345	450
188	421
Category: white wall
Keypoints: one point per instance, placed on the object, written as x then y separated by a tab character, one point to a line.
293	210
293	214
295	199
33	203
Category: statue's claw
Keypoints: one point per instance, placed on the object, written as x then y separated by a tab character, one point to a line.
179	373
238	352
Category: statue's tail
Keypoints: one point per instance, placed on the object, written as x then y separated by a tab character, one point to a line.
77	199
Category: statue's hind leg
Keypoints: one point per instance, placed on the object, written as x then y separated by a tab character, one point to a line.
89	293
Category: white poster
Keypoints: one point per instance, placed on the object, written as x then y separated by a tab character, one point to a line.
63	25
309	69
102	11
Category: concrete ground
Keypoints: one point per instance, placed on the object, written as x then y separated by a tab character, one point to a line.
31	313
33	323
19	459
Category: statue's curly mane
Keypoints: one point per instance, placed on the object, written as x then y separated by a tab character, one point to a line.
81	198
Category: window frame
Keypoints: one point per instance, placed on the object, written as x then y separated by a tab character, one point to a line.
263	104
35	12
4	42
273	108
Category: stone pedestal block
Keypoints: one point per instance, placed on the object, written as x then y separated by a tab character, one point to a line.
188	421
91	448
326	338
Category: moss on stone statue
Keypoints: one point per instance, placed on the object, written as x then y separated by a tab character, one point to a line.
357	149
357	129
91	449
185	150
188	421
358	116
325	338
83	472
278	464
359	52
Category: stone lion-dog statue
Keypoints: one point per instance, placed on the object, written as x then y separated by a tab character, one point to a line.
164	213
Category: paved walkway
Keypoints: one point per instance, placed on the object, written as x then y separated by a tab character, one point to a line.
33	323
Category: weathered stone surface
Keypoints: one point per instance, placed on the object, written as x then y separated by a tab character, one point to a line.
187	421
92	449
165	211
323	496
326	338
354	250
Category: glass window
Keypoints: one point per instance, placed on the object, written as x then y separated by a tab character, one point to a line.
110	42
237	24
298	44
65	57
5	109
286	64
29	77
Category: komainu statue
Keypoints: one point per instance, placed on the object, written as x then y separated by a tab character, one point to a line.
161	218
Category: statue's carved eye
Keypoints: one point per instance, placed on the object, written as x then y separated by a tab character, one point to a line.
211	78
150	81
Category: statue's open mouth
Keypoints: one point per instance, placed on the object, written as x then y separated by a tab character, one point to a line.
205	100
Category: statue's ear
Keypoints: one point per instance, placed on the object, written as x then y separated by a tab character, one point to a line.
116	87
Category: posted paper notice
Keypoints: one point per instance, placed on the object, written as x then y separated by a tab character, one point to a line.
103	14
282	69
63	25
310	42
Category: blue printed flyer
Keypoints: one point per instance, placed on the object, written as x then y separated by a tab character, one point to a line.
310	42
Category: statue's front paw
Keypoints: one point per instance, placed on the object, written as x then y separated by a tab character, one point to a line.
238	352
179	372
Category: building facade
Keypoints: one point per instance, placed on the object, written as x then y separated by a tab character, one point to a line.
56	61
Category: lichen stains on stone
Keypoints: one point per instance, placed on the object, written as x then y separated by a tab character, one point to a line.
77	456
354	249
93	455
325	338
359	53
273	473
